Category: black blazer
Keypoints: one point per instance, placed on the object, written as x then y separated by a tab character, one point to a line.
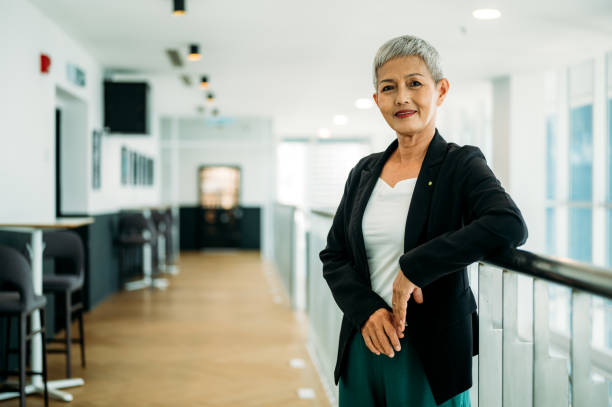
458	214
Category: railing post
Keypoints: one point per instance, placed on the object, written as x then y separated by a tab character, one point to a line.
517	354
550	375
490	288
585	391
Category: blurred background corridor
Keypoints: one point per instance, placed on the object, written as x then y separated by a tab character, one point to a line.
199	150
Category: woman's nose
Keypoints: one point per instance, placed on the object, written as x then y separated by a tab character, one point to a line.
402	96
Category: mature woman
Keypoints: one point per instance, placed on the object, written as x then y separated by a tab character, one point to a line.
410	220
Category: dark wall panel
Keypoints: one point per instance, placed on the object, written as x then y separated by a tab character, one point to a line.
191	228
251	228
102	259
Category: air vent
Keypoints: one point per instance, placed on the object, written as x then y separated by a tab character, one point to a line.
175	57
186	80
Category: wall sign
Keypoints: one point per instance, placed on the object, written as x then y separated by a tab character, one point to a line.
75	75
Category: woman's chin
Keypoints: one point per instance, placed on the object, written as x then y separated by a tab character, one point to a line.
406	129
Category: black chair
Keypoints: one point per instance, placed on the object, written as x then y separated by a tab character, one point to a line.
163	223
161	228
171	253
17	299
137	232
67	247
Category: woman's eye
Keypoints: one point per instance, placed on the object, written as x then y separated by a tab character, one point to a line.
388	87
415	83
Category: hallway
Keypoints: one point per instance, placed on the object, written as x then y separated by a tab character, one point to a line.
214	338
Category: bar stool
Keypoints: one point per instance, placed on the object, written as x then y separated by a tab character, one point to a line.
161	227
17	299
137	232
67	246
171	252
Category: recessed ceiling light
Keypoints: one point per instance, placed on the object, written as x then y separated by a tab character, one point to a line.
486	14
324	132
340	120
364	103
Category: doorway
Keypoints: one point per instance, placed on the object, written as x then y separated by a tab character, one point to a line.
220	213
72	154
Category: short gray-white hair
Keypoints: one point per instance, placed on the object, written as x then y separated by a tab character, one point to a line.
405	46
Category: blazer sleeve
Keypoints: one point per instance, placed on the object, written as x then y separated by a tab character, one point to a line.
492	222
352	293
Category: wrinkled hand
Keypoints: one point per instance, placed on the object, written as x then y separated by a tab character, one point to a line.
379	335
402	290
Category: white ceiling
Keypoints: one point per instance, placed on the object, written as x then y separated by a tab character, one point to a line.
301	62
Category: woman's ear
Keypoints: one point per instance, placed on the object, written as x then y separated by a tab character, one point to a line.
443	86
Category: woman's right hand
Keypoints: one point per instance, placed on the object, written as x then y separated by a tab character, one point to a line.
379	333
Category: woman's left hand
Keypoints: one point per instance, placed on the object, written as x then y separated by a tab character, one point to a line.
402	290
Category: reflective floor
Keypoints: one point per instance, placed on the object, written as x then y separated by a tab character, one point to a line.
222	334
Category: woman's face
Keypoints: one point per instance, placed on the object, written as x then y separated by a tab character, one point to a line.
407	95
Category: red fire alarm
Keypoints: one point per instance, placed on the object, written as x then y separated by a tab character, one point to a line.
45	63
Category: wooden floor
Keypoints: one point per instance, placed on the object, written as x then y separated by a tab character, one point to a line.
215	337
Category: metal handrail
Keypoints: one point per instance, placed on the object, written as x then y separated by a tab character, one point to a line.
586	277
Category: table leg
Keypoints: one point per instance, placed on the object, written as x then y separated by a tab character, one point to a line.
35	249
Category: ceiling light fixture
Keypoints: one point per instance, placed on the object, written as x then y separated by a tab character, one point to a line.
340	120
324	132
179	8
204	82
194	53
364	103
486	14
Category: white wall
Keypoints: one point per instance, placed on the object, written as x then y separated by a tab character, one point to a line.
527	152
112	195
28	99
246	142
27	163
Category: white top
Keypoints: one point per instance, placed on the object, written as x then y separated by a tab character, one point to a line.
383	226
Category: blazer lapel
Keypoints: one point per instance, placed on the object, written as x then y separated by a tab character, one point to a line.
423	190
367	181
421	197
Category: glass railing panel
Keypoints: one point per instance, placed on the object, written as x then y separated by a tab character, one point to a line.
517	352
490	303
550	369
589	387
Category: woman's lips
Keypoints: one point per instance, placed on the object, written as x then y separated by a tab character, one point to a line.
404	113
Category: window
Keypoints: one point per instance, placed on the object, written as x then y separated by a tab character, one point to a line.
551	162
313	172
581	78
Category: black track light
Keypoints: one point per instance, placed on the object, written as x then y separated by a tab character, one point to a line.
204	82
194	53
179	8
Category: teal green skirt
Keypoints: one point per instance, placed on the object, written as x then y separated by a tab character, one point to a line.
369	380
